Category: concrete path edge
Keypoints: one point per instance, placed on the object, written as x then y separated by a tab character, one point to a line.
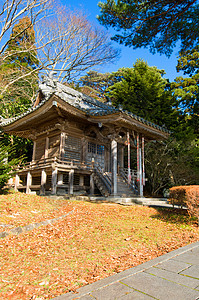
83	291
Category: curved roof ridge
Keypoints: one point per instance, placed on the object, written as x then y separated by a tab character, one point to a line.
77	99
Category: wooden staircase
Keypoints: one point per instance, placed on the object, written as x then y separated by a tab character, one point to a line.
123	189
103	181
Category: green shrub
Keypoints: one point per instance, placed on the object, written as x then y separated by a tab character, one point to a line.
7	163
186	196
177	195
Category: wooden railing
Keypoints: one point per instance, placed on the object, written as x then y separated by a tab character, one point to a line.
74	163
132	184
36	164
48	162
104	177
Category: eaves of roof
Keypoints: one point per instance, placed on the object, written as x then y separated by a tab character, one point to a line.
84	103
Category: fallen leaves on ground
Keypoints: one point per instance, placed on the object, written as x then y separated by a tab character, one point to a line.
18	209
95	241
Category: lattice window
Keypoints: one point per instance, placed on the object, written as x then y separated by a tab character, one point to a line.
91	147
100	149
95	148
72	148
96	152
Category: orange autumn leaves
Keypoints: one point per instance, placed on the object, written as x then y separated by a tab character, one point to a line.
93	242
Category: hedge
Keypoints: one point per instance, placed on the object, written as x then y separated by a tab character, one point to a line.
186	196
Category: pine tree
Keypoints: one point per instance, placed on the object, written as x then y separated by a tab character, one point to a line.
186	89
154	24
143	91
20	57
95	84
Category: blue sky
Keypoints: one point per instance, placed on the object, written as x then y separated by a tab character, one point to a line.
128	55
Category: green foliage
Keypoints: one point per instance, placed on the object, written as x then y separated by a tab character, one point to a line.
154	24
186	89
7	163
95	84
18	59
170	163
21	48
143	91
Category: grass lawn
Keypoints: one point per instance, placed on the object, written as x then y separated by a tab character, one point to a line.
93	242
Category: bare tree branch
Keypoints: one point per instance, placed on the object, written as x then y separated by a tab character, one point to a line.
66	42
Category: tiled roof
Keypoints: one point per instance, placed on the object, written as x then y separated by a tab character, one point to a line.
90	106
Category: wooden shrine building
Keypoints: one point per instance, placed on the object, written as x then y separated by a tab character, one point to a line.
79	144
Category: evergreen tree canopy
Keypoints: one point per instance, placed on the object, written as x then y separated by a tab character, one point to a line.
20	57
22	45
143	91
155	24
95	84
186	89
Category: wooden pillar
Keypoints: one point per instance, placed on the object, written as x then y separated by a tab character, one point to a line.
17	180
92	184
140	173
28	183
46	147
143	162
62	145
10	181
110	158
54	181
70	183
114	166
139	166
43	182
129	158
34	151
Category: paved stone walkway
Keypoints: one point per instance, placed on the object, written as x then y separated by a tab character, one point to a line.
173	276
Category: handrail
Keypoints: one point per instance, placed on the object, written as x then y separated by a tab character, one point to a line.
124	173
103	176
74	162
132	172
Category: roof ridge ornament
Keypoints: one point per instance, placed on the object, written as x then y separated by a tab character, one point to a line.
50	80
48	85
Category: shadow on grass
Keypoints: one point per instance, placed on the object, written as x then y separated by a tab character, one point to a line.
176	216
6	191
